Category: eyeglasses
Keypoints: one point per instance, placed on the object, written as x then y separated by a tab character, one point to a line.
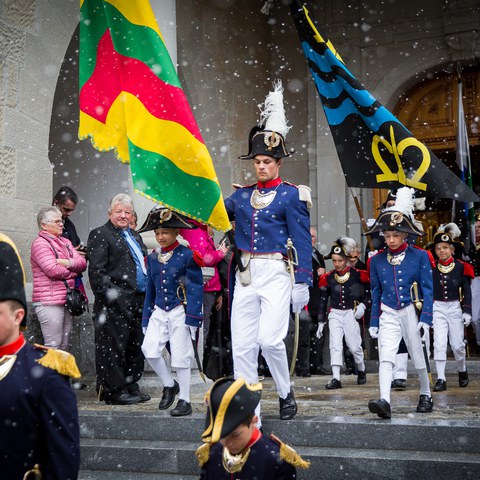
58	222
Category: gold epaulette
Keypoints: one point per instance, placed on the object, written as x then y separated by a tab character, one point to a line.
288	454
60	361
203	454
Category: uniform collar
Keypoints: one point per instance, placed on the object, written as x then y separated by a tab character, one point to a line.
270	184
171	247
446	262
344	271
255	436
13	347
399	250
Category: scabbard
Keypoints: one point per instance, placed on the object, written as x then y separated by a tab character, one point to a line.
295	343
197	359
427	362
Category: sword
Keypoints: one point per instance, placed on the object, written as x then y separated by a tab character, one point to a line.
465	333
418	305
182	296
292	260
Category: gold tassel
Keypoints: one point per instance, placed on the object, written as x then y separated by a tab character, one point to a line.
60	361
34	473
203	454
288	454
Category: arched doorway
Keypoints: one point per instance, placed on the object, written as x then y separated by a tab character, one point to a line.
429	111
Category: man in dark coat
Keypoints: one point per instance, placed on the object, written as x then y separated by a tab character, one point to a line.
118	277
39	429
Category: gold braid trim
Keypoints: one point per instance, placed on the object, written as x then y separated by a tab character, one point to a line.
60	361
288	454
203	454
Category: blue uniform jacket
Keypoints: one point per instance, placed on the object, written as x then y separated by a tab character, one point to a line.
266	230
391	283
163	280
263	462
446	286
39	421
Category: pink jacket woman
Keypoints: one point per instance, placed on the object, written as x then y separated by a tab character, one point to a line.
53	259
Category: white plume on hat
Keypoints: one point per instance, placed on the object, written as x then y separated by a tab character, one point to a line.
452	229
348	244
404	202
272	114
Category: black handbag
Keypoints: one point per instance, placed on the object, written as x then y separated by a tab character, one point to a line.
76	302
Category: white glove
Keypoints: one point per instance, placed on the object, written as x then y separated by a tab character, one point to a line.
467	318
300	297
425	327
373	331
319	333
372	253
144	330
193	332
360	311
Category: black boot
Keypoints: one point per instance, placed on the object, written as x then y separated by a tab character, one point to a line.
381	407
288	407
362	378
463	378
168	396
425	404
134	389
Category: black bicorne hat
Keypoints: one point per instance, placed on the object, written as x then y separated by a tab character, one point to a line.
266	142
449	233
394	220
230	402
12	274
342	246
162	217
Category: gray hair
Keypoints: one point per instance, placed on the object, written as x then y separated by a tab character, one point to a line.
45	214
120	199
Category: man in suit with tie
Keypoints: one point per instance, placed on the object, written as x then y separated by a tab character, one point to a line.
118	277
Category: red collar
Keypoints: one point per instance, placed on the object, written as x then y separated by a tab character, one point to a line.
343	272
255	436
270	184
13	347
171	247
399	249
446	262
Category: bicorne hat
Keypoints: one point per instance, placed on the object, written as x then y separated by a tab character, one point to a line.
12	273
268	137
342	246
448	233
230	402
398	217
162	217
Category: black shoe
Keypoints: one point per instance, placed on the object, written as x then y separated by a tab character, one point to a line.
134	389
361	378
182	409
399	384
425	404
463	378
123	399
333	384
288	407
304	373
381	407
168	396
440	385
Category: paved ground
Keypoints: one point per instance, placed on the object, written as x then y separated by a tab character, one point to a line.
314	399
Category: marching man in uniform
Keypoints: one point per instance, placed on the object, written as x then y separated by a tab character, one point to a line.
452	306
268	215
173	309
401	279
348	299
234	447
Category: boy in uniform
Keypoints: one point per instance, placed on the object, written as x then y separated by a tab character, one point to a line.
452	306
345	287
401	279
234	447
173	307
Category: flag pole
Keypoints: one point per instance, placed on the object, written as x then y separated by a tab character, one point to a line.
362	218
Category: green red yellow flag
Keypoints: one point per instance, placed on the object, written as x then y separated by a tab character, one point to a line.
131	101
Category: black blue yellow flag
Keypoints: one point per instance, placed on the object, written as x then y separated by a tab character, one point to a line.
374	148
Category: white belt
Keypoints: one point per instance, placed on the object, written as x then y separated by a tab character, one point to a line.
265	256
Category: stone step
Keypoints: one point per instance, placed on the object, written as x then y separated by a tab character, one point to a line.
104	475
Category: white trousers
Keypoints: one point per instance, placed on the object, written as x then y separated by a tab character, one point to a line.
448	326
260	315
395	324
56	323
475	287
170	326
340	323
